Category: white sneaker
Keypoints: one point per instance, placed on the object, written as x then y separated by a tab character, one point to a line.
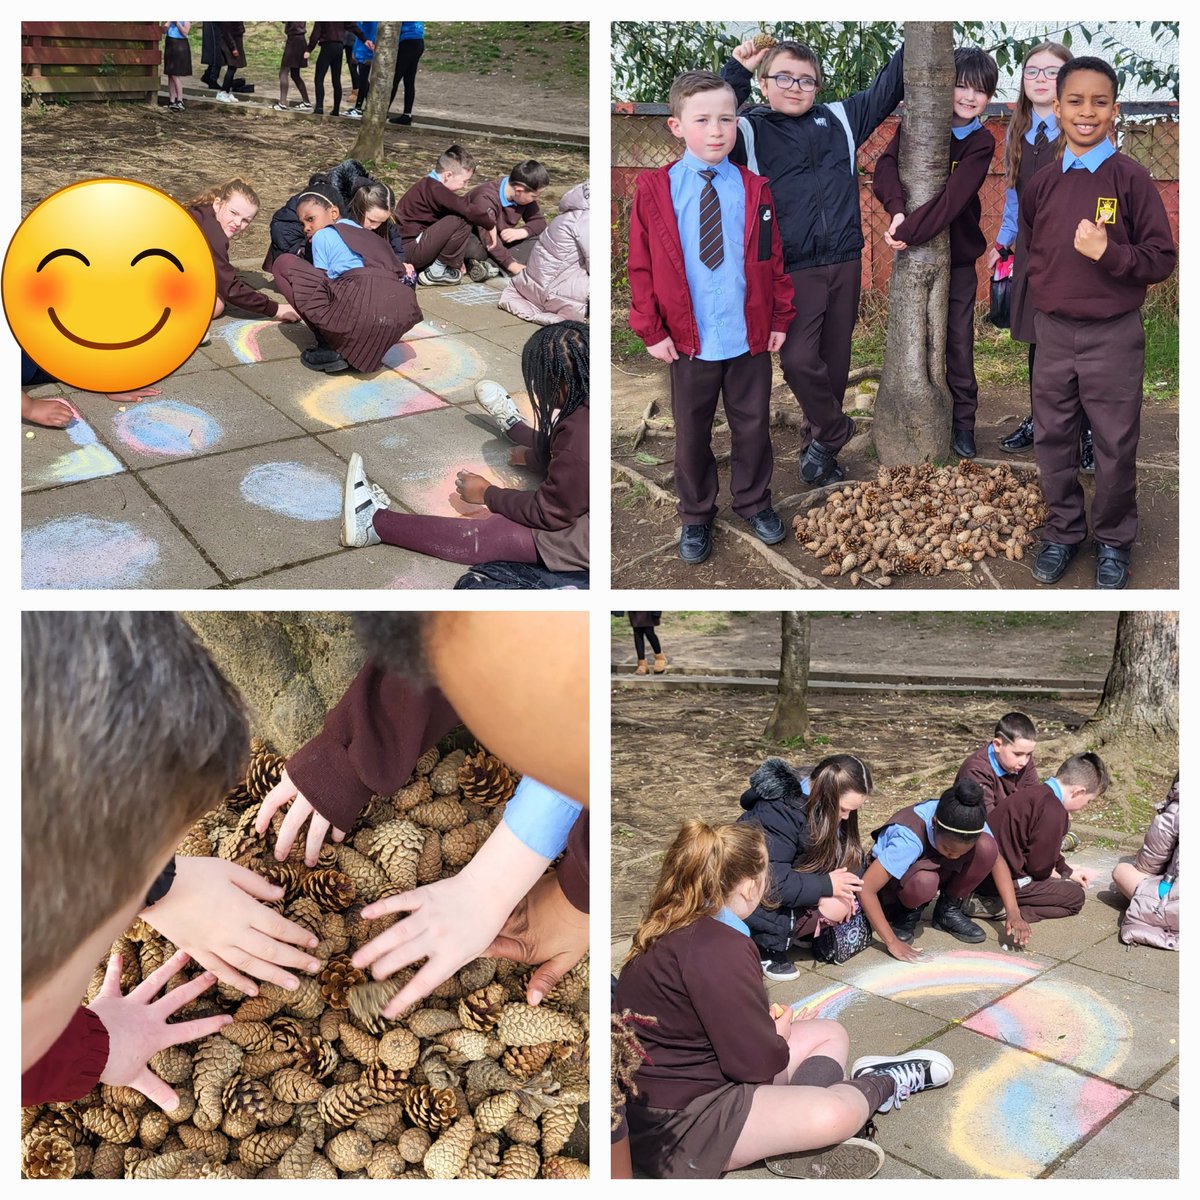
280	107
913	1072
361	500
304	106
353	113
498	403
227	98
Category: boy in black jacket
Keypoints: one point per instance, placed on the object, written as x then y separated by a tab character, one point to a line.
808	152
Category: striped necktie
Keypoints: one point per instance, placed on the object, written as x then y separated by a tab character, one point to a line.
1040	140
712	244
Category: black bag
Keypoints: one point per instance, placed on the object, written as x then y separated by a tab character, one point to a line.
840	943
1001	286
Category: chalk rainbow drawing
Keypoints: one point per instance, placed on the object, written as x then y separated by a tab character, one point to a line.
954	971
241	336
88	460
338	402
426	329
830	1002
293	490
80	551
167	428
439	365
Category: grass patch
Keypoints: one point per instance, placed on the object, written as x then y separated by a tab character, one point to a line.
626	345
703	622
637	494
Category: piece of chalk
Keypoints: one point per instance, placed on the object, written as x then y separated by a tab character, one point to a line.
29	433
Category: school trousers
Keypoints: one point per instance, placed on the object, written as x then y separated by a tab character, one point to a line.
960	346
957	878
1089	369
446	239
1043	899
815	358
744	383
520	251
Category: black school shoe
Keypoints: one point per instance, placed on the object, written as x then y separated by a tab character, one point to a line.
695	543
819	465
767	526
963	443
904	921
1113	567
948	916
1021	438
321	358
1052	559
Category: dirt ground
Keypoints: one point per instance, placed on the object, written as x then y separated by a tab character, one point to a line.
644	528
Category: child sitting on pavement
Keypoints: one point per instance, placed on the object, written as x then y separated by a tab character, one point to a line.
512	207
1151	881
1006	762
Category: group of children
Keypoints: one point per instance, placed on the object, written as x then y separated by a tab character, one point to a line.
722	1080
751	244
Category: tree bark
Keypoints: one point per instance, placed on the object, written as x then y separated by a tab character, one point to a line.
789	719
368	148
1141	694
913	409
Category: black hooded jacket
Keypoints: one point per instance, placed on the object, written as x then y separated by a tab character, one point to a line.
812	169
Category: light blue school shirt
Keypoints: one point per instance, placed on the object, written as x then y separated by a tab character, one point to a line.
331	254
540	817
898	848
1055	787
718	296
997	769
728	917
173	31
1008	223
1092	159
962	131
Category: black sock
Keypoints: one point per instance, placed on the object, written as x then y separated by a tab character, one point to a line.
818	1071
877	1088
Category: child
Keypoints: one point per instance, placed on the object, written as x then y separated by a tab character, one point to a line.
549	526
364	55
1028	147
1006	762
512	207
52	412
643	624
352	296
956	208
408	55
715	308
941	847
177	61
1097	234
1151	882
435	223
328	35
727	1081
811	825
295	56
808	153
372	206
1029	825
233	56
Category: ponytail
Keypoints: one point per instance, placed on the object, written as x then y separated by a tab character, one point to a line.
225	191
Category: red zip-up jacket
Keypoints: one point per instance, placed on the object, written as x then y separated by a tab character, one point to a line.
661	304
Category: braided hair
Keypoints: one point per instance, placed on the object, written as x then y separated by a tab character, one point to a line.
555	364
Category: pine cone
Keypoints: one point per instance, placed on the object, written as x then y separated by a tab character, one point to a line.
494	1112
304	912
564	1168
483	1160
429	865
264	772
213	1144
524	1025
430	1108
173	1065
396	847
295	1087
286	1033
442	813
344	1103
523	1130
444	777
245	1096
112	1124
459	845
427	761
431	1022
519	1162
557	1126
415	793
464	1046
566	992
315	1057
244	844
526	1061
369	879
153	1130
386	1162
332	890
296	1160
366	1000
338	977
262	1149
250	1035
764	41
448	1155
47	1156
399	1049
385	1083
481	1009
413	1144
285	875
349	1150
383	1122
484	779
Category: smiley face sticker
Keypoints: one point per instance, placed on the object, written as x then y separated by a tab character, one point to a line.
109	285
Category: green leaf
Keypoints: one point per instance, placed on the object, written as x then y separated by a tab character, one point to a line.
1066	38
648	460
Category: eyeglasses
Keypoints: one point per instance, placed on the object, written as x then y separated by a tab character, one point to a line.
1034	72
806	83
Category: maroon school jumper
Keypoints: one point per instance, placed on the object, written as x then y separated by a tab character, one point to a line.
1091	345
1029	825
1020	311
487	197
230	286
712	1036
443	221
978	766
956	207
73	1064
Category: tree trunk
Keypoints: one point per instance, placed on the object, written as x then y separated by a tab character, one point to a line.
368	149
790	716
1141	694
291	667
913	409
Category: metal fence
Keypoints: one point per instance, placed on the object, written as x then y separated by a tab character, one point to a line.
1149	133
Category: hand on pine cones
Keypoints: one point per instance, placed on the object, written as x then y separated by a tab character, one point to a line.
138	1028
545	930
213	912
284	792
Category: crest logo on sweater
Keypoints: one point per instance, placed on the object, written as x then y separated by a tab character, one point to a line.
820	121
1106	209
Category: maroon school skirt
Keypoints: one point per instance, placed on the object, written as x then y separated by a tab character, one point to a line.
693	1142
293	53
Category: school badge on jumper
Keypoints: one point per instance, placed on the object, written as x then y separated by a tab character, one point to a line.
1106	210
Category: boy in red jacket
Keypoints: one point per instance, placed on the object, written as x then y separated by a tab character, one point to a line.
956	208
710	297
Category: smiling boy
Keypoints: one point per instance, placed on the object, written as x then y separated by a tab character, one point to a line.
710	297
956	207
1097	235
1006	762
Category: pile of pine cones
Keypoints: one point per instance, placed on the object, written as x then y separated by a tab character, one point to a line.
923	520
315	1083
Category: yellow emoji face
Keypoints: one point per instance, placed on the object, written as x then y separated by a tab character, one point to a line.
109	285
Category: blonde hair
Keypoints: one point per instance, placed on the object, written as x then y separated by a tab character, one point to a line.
1022	118
701	868
226	191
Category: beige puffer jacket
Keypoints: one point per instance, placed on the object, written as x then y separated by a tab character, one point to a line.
554	286
1151	920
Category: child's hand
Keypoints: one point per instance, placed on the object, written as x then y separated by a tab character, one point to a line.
1017	930
904	952
897	221
515	268
546	930
1084	875
409	270
1091	239
493	239
471	487
464	509
284	792
138	1029
775	341
783	1019
664	351
213	912
993	257
509	236
51	412
846	885
285	312
748	56
134	396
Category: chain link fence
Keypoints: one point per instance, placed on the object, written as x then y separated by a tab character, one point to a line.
1148	133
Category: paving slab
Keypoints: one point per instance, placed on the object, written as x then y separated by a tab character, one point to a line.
53	457
1140	1142
197	414
1005	1115
234	340
382	567
1167	1087
1067	938
106	533
251	510
1141	964
451	366
199	361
